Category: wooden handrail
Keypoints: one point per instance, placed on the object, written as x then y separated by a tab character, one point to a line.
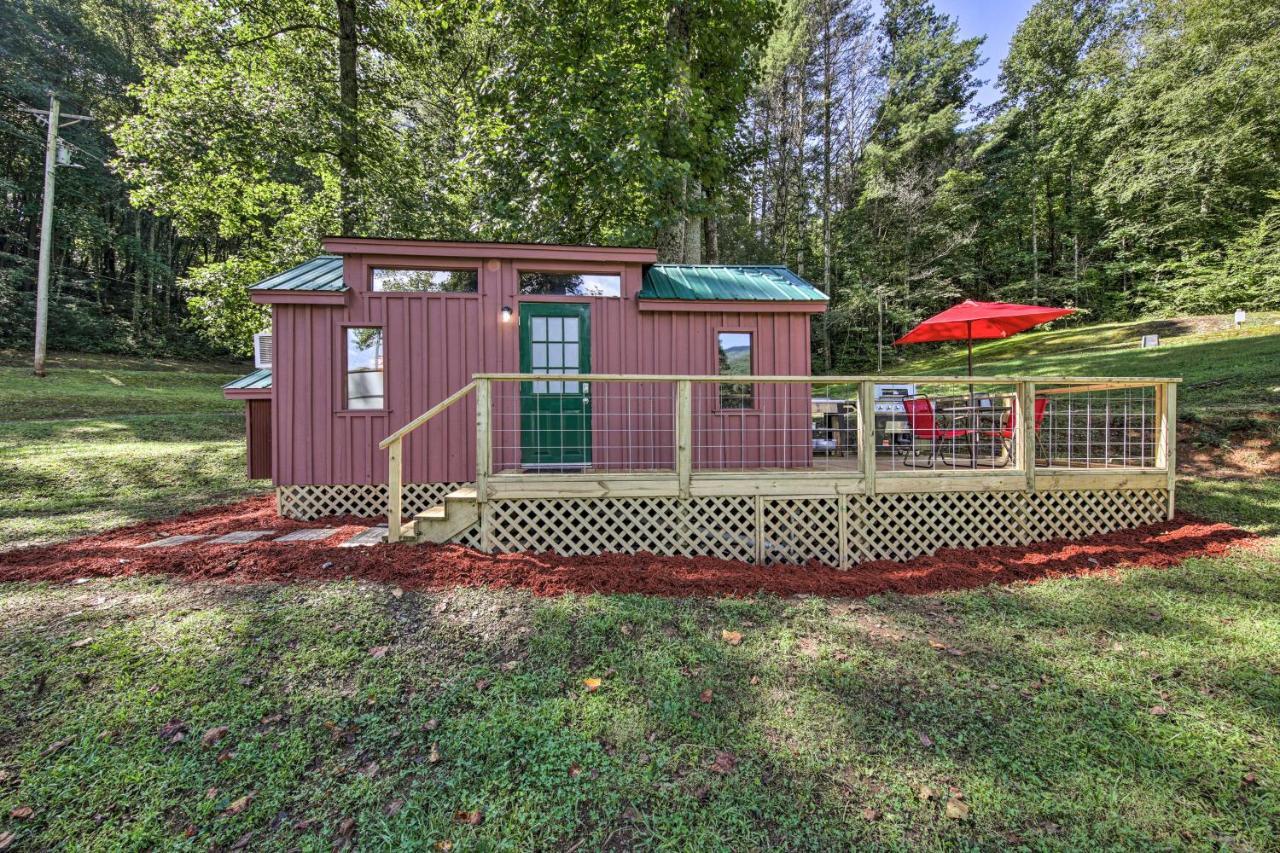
393	444
1114	381
427	415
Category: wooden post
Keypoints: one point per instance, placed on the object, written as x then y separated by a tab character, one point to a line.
867	434
395	490
484	439
1024	432
1169	438
759	528
684	434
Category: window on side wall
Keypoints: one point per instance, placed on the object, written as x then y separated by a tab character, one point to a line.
569	284
405	280
365	369
734	357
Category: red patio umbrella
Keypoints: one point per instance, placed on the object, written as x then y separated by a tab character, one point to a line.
970	321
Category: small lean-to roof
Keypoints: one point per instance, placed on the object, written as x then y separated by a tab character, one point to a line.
259	380
727	283
322	274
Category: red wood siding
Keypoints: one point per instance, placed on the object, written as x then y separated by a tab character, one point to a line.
257	427
433	343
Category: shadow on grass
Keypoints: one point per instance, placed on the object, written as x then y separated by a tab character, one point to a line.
832	714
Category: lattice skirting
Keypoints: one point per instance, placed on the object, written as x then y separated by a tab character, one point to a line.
367	501
836	531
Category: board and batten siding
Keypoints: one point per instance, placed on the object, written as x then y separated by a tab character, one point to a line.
434	343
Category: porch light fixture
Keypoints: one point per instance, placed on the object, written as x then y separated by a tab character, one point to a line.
506	313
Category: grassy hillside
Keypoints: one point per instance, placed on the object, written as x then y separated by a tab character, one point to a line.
1225	371
106	440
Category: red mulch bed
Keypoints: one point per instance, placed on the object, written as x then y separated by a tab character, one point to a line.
114	554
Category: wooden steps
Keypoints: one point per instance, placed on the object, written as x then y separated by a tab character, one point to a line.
442	522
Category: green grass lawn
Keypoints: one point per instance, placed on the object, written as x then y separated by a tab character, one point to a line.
406	715
1132	712
104	441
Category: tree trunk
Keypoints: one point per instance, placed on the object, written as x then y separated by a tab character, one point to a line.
349	116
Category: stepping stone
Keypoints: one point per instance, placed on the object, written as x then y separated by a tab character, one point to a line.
240	537
369	536
313	535
170	541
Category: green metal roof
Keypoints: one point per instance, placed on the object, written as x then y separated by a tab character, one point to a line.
259	380
318	274
748	283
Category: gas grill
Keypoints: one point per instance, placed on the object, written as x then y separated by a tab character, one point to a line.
891	414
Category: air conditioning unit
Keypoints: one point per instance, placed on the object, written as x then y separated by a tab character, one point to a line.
262	349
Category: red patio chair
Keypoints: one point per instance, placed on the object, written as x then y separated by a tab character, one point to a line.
1005	433
923	424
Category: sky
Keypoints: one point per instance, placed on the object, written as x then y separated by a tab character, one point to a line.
995	19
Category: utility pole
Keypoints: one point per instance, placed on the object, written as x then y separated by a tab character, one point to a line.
51	158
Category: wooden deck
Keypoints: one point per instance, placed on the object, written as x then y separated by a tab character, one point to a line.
1084	478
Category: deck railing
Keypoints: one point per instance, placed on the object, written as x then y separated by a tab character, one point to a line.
597	435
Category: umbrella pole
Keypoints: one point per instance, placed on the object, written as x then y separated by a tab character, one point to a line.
969	340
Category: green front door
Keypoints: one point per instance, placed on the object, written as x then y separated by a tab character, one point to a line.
555	415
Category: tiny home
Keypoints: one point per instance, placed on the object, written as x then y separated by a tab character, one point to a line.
366	338
582	399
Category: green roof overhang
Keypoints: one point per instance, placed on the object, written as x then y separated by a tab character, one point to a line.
731	284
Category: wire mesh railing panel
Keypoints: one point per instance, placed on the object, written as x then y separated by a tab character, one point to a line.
1099	427
567	425
775	426
946	427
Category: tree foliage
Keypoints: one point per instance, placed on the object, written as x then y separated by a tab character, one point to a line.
1130	165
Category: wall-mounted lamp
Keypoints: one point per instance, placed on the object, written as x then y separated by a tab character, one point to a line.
506	313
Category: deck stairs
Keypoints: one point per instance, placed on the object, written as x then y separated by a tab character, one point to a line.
442	522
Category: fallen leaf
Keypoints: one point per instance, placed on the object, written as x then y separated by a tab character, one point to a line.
397	592
1251	778
733	638
482	684
957	652
508	666
393	808
7	839
225	756
472	818
82	642
347	827
1158	710
434	756
592	684
724	763
272	719
370	770
870	814
239	805
22	813
213	735
574	770
190	831
243	841
379	651
626	630
56	746
705	696
444	845
210	794
431	725
755	679
957	809
925	740
934	644
173	731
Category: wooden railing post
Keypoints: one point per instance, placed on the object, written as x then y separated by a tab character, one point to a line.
395	490
1167	449
1024	432
484	438
684	434
867	434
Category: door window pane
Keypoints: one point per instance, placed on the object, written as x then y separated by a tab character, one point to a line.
365	371
394	280
570	284
734	358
